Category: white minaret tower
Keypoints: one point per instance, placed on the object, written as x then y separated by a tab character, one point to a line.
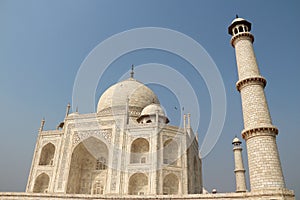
239	170
259	133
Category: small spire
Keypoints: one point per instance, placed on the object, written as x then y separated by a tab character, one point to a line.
77	109
189	120
132	72
68	109
42	124
236	16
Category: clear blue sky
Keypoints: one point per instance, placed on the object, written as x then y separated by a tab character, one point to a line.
43	43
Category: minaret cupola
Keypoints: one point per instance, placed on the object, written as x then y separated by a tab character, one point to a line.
239	25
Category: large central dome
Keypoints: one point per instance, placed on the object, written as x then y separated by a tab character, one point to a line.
138	94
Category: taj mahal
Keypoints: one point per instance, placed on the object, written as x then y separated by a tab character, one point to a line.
128	149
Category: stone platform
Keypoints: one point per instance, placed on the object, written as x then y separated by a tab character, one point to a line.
282	194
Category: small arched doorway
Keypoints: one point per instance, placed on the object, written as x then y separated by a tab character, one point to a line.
41	183
171	184
138	184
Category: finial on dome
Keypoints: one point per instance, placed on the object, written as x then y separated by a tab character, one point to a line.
132	72
236	16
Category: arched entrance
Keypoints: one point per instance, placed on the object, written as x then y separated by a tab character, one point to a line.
41	184
138	184
88	167
171	184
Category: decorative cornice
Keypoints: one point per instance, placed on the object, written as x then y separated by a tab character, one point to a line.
247	35
251	81
133	111
260	131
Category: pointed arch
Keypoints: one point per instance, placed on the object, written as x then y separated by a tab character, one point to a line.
47	154
170	184
41	183
139	150
170	152
98	188
88	167
138	184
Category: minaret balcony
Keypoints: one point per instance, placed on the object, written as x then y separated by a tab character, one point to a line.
243	35
259	80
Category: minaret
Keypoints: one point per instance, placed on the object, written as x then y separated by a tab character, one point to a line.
259	133
240	179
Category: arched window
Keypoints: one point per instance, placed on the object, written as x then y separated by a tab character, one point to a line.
41	184
241	29
47	154
170	152
139	150
171	184
235	31
101	164
138	184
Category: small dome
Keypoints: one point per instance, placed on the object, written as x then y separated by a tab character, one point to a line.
236	140
239	19
148	114
151	110
138	94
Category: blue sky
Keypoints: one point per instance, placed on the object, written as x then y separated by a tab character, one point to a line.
43	43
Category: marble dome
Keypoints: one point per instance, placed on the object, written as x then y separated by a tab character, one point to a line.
138	94
148	114
151	110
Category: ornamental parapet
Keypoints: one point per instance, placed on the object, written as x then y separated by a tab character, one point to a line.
245	35
258	80
52	132
260	131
